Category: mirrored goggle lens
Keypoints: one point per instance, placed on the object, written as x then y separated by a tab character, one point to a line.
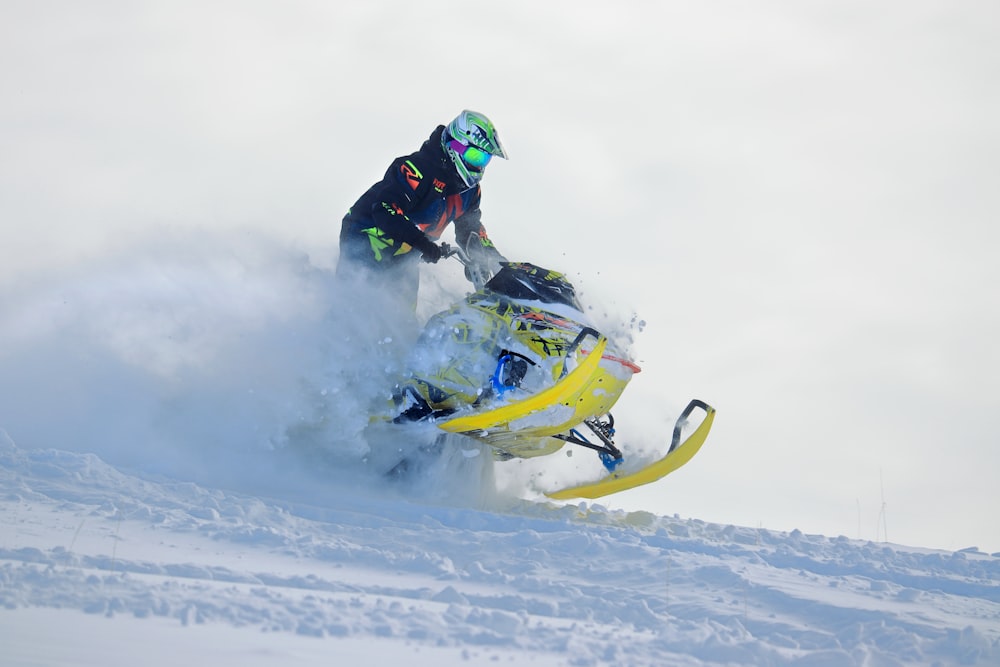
476	158
472	156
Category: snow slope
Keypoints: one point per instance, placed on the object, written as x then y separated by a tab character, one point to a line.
182	481
99	566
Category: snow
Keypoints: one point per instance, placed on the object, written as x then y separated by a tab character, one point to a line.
183	478
100	565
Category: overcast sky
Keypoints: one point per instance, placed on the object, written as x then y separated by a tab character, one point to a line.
799	199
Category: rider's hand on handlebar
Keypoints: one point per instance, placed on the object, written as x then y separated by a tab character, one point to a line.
431	253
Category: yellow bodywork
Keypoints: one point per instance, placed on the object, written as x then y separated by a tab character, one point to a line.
524	428
458	354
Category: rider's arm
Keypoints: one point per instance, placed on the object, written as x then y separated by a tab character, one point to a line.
471	234
402	190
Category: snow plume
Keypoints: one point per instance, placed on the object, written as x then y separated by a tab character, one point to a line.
196	355
228	358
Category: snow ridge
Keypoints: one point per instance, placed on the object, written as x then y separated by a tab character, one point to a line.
571	584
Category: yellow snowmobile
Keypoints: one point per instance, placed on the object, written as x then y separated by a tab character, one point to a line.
515	366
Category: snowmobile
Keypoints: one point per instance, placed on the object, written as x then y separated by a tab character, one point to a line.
516	366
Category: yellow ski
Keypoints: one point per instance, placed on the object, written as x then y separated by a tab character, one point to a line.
678	455
566	391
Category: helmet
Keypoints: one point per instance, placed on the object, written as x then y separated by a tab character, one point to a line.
471	141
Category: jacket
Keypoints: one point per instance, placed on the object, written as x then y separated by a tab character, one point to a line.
419	195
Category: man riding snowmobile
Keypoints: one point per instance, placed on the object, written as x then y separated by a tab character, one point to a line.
419	195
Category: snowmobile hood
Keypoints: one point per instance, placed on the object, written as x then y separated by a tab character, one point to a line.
522	280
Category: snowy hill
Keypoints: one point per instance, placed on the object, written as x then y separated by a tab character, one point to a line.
104	567
181	481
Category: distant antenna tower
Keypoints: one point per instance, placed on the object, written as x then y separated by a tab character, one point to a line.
881	515
858	501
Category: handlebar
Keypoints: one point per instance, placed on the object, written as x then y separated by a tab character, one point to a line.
448	250
476	274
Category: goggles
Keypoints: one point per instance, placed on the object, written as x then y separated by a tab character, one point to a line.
472	156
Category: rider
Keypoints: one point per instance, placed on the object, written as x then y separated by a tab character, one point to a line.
416	199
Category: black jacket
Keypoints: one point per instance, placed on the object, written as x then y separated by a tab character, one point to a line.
410	207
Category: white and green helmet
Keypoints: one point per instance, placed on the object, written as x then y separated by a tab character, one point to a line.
471	141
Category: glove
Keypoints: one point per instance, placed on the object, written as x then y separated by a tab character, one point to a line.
430	251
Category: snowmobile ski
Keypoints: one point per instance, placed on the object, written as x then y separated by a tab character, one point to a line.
564	392
677	455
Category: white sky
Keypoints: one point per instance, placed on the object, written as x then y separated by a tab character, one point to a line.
798	198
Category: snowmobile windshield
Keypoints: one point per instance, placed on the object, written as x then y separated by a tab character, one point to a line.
521	280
